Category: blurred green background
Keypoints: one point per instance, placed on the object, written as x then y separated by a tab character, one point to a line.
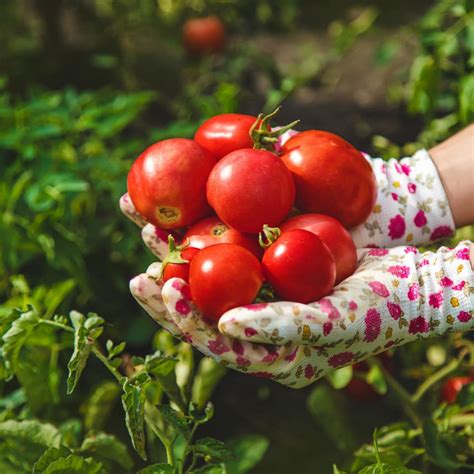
86	85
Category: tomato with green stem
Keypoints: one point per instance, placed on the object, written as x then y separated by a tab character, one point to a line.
452	386
176	263
204	35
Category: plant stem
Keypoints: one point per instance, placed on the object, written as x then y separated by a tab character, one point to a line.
436	377
96	351
57	325
461	420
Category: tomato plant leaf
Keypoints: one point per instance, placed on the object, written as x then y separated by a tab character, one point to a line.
437	450
387	469
98	406
247	452
212	448
174	418
50	455
16	336
73	464
31	431
107	448
162	368
157	469
133	401
86	331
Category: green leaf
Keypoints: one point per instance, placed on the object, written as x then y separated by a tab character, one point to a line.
157	469
73	464
247	452
50	455
336	470
13	400
437	450
376	378
328	409
31	431
106	447
174	418
184	369
16	336
210	469
99	405
424	79
209	374
86	331
201	416
133	401
162	368
387	469
212	448
340	378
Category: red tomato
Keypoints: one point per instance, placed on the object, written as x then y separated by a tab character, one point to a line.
331	176
225	133
204	35
334	235
167	183
179	269
299	266
452	386
249	188
223	277
212	231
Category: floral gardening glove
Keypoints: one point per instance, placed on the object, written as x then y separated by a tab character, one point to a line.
411	207
396	296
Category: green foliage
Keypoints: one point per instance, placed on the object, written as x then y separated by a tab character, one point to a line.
440	87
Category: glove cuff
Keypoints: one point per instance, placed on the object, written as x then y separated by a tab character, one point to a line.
411	208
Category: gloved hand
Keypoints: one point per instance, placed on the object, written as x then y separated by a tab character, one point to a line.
396	296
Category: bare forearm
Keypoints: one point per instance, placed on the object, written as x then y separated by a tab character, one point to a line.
454	159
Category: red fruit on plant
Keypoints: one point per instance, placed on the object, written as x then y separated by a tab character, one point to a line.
299	266
212	231
178	267
222	277
225	133
331	176
204	35
167	183
334	235
452	386
249	188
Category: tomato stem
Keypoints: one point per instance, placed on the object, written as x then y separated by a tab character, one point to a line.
263	136
174	254
268	236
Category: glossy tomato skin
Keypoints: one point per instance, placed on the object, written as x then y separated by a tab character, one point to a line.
167	183
334	235
249	188
331	176
222	277
225	133
212	231
180	270
204	35
452	386
299	267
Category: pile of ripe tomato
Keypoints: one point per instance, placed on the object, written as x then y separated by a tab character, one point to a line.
249	215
